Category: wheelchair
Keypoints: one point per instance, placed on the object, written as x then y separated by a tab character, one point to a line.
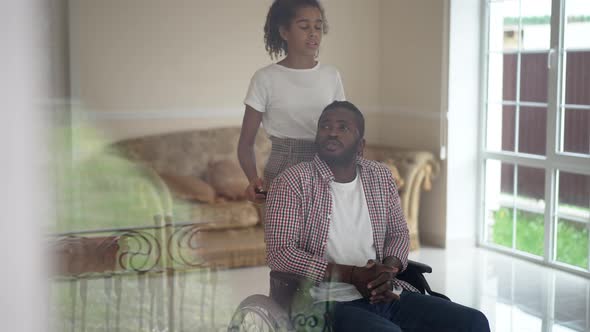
274	312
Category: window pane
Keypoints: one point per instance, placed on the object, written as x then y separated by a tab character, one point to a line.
501	77
530	232
502	231
574	215
530	203
577	77
532	130
574	195
576	131
517	120
533	77
501	127
531	188
504	32
572	243
536	24
577	26
515	219
508	127
507	183
509	70
499	203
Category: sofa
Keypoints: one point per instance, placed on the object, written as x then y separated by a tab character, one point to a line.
201	170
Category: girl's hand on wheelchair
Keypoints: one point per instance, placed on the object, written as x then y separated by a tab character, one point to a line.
254	192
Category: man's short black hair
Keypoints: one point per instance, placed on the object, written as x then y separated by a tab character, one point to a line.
358	115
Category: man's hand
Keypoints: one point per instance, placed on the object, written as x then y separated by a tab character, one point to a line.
383	293
381	288
371	277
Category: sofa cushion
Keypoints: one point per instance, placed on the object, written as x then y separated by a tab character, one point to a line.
189	152
227	178
226	215
189	188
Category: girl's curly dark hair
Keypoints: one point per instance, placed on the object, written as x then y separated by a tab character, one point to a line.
281	13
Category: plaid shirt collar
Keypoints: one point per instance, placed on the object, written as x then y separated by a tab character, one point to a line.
327	174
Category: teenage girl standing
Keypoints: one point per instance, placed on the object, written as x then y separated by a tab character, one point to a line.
287	96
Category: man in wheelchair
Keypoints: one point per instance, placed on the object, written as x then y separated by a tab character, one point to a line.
337	222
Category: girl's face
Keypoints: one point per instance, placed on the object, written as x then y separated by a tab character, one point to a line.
304	34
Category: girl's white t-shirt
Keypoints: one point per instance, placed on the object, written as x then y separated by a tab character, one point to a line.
293	99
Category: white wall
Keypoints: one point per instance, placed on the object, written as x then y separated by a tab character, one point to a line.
463	97
413	90
24	88
353	45
139	55
464	110
149	66
142	67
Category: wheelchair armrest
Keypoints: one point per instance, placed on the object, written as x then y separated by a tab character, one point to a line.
293	281
286	279
418	267
284	286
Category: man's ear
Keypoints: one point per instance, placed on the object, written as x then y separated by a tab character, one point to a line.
361	147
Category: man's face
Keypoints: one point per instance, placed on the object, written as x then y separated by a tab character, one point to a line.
338	138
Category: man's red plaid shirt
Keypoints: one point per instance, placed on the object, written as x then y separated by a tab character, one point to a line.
299	210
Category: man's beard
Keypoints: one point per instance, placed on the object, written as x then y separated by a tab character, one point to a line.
347	156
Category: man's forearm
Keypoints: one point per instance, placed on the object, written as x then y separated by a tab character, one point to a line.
344	273
339	272
364	278
288	258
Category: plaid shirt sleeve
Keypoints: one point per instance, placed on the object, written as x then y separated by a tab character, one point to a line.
283	230
397	238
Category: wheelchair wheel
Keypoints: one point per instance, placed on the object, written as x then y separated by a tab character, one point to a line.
260	313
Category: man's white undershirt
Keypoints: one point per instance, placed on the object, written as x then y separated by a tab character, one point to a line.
350	239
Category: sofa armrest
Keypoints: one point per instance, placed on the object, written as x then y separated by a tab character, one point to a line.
409	162
417	169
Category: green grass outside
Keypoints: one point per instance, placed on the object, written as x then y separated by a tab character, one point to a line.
572	238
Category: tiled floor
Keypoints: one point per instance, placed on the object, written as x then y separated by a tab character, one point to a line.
515	295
